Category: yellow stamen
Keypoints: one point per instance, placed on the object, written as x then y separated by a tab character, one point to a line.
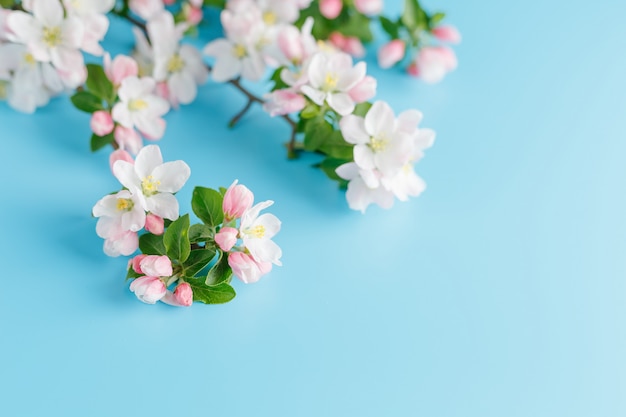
137	104
52	36
124	204
29	59
175	64
256	231
378	144
330	82
239	51
149	186
269	18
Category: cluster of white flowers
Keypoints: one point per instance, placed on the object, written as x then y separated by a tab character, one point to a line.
40	48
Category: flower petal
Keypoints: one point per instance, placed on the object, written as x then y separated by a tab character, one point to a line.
147	160
163	205
171	176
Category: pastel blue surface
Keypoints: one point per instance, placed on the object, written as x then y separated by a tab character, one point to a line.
499	292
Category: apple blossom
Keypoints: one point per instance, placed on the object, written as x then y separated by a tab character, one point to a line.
433	63
330	79
139	107
348	44
119	154
447	33
135	263
363	90
282	102
153	182
364	188
95	23
128	139
369	7
148	289
183	294
256	231
246	268
51	37
121	67
123	209
146	9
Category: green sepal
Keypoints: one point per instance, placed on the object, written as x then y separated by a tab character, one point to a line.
176	239
434	20
86	101
200	233
198	259
99	142
217	294
220	272
207	205
99	84
150	244
131	274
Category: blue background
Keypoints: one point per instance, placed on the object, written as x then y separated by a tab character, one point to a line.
499	292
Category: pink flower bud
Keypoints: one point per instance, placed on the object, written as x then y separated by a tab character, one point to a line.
122	66
101	123
354	47
433	63
193	15
246	268
154	224
391	53
369	7
363	90
156	266
337	40
238	198
330	9
447	34
183	294
136	262
128	138
226	238
148	289
290	44
119	155
281	102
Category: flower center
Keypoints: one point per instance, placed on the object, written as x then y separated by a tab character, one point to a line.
149	186
124	204
175	64
137	104
29	59
239	51
378	143
256	231
269	18
52	36
330	82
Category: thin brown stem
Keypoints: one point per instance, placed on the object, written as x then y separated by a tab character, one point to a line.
239	115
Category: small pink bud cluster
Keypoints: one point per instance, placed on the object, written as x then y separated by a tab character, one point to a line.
258	252
151	287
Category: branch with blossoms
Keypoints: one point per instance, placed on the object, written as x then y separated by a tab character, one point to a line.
326	98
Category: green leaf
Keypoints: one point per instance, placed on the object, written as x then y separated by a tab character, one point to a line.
316	133
131	274
200	233
279	84
217	294
413	16
98	83
390	27
150	244
220	272
223	191
336	147
359	26
329	165
220	4
361	109
207	204
7	4
86	102
176	239
197	260
435	19
98	142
